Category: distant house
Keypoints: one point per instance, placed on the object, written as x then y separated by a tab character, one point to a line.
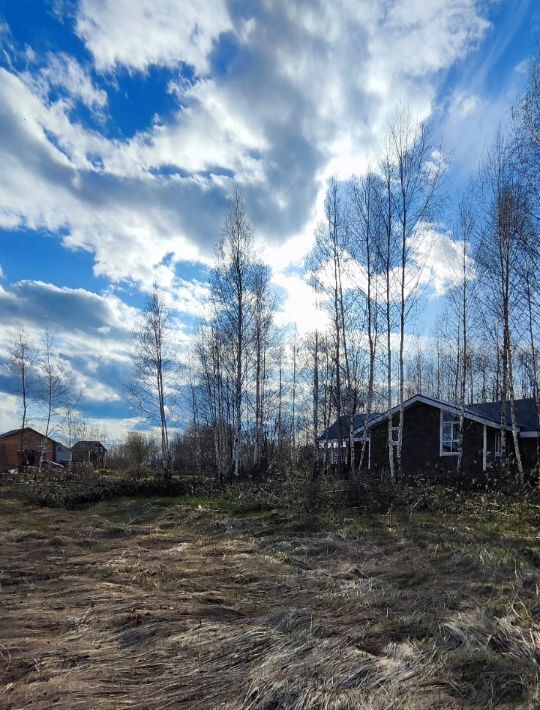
431	436
89	452
337	434
23	447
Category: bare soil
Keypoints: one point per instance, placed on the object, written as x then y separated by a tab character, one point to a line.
161	604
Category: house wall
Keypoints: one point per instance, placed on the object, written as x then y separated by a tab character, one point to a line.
329	453
94	454
33	441
63	454
421	445
529	452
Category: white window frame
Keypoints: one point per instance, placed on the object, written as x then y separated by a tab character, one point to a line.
395	430
453	421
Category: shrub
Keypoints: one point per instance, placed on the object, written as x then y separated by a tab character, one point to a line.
88	490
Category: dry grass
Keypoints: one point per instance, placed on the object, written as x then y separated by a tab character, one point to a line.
136	604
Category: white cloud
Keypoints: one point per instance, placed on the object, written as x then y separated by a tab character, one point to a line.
138	33
64	71
130	225
300	306
9	412
434	262
439	258
307	93
189	297
463	104
207	134
92	333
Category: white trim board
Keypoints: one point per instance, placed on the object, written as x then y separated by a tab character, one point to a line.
438	404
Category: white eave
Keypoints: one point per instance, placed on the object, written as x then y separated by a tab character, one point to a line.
445	407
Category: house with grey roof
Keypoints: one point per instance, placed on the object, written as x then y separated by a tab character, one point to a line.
432	440
336	437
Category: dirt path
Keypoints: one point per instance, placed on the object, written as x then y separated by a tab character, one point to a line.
138	605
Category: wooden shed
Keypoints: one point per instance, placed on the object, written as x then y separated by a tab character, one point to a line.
89	452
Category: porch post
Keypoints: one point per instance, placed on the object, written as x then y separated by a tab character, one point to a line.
484	450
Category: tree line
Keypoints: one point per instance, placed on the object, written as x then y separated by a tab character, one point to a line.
254	396
258	395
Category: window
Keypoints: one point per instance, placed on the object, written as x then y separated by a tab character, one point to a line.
450	439
395	435
498	446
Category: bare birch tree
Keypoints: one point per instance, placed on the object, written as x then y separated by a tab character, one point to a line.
54	390
150	391
461	300
367	226
416	172
263	307
315	354
388	255
500	250
232	288
326	264
21	361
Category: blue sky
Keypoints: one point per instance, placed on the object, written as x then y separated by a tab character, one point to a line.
124	125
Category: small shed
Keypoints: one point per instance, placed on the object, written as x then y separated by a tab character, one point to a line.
89	452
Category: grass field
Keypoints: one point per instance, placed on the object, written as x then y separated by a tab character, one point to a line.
182	603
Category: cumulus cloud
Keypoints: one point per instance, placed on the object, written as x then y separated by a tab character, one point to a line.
435	263
91	331
74	310
274	96
130	224
299	298
9	411
138	33
64	71
439	259
283	95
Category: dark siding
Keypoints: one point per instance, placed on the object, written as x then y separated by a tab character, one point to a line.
529	452
421	445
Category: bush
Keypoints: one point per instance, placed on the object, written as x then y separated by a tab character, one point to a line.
88	490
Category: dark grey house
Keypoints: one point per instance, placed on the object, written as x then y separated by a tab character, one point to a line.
431	436
337	434
89	452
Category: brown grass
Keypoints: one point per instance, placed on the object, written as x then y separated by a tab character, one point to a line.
142	604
